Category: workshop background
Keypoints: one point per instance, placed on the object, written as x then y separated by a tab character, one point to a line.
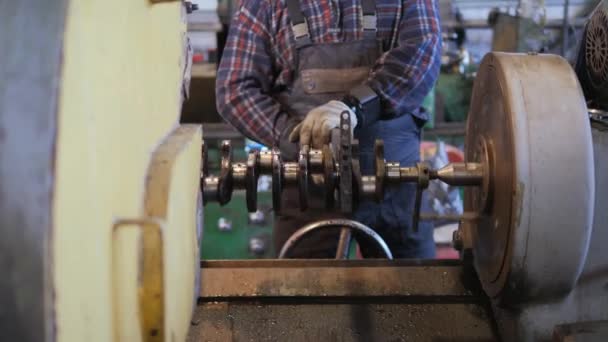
471	28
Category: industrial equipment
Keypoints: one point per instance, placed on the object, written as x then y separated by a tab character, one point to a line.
526	231
101	203
330	168
592	60
336	170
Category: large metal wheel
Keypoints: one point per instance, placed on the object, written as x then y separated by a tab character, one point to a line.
528	125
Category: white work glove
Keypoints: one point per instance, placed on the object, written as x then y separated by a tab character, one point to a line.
316	128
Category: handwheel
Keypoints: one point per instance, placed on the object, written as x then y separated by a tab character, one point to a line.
347	226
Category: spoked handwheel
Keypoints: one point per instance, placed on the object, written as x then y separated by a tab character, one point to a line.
347	227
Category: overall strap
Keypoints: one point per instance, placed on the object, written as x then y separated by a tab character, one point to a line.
299	25
370	20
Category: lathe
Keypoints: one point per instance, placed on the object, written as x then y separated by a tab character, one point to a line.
524	237
102	194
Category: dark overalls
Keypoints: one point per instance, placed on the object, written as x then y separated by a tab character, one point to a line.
325	72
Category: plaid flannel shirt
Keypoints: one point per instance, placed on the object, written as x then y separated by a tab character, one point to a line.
258	59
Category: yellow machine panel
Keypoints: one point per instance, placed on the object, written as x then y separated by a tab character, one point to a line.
122	155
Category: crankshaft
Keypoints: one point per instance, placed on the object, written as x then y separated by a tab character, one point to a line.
334	168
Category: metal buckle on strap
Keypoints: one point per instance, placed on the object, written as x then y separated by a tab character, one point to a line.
370	23
300	30
301	34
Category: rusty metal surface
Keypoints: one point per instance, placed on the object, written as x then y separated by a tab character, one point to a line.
341	322
151	294
406	280
340	300
531	241
31	43
489	126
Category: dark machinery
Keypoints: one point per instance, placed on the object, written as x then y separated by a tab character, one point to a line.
592	65
592	60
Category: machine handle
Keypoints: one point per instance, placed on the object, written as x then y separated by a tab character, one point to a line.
344	244
150	276
345	225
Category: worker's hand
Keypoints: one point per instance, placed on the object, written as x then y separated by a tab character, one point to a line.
316	128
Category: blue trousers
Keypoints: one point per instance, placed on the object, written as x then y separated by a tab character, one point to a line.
392	218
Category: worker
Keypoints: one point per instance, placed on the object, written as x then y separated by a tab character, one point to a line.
291	67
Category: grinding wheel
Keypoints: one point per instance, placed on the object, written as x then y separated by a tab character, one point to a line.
528	126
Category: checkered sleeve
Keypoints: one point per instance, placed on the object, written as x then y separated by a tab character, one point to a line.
245	75
405	74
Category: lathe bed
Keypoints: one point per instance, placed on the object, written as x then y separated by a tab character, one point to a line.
340	300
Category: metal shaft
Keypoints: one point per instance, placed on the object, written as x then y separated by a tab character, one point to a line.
459	174
296	174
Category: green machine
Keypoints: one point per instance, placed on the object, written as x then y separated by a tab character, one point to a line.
231	232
